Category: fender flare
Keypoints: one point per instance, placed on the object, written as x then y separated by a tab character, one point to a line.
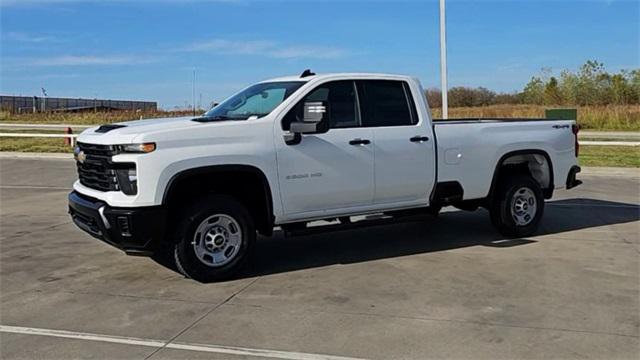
548	192
249	169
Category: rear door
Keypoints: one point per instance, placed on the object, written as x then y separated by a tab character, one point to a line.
330	172
403	143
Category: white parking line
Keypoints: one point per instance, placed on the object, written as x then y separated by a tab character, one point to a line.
230	350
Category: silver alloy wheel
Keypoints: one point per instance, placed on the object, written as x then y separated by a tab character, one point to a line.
217	240
523	206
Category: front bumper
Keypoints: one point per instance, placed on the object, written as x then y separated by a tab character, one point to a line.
571	178
136	231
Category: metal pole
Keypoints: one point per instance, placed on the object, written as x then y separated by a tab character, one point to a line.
443	61
194	92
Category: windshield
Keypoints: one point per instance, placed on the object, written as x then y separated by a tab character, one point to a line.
257	100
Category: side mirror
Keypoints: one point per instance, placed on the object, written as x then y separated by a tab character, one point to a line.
315	111
315	119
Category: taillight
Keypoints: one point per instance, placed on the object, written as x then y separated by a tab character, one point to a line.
575	129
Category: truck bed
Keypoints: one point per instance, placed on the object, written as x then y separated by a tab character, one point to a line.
469	149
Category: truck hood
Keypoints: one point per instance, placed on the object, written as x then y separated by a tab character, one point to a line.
126	132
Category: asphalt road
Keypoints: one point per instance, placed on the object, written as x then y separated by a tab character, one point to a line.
438	288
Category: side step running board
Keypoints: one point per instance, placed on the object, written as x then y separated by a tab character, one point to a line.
371	220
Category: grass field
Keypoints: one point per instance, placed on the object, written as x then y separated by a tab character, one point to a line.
88	118
616	156
612	117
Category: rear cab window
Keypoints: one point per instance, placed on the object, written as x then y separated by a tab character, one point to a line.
386	103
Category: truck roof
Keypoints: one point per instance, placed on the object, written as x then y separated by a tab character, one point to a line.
340	75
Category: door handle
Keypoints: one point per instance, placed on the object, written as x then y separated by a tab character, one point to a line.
359	141
419	139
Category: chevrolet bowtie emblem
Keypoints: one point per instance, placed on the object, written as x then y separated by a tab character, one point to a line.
81	156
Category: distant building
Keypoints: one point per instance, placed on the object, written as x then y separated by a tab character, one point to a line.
27	104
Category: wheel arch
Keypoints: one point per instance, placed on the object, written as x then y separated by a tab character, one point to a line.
237	177
526	160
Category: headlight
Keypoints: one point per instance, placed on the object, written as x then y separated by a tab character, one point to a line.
137	148
128	180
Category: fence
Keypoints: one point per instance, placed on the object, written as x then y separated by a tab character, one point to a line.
21	104
72	137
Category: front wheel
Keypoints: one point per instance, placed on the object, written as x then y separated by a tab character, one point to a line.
213	239
517	206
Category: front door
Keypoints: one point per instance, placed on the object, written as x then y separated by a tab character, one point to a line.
329	172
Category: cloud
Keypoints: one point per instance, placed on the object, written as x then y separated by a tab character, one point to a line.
84	60
231	47
319	52
266	48
29	38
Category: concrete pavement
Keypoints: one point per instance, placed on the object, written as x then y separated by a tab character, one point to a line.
439	288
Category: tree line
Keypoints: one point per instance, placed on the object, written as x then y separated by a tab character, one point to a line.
590	85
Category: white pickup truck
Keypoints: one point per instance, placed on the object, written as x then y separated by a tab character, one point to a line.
288	151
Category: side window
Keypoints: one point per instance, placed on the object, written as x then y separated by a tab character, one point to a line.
343	107
385	103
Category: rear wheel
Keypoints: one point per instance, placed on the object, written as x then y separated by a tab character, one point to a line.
517	206
434	210
213	239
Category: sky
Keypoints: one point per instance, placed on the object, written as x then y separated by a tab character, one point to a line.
148	50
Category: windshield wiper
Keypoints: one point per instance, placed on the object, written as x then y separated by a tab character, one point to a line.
205	118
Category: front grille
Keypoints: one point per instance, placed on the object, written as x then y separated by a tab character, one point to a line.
97	171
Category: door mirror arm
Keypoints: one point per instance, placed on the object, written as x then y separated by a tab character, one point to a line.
292	138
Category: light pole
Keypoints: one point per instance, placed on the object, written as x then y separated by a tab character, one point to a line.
193	98
44	99
443	60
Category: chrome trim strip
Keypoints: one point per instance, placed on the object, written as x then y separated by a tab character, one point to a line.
104	218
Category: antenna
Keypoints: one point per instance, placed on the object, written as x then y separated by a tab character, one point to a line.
306	73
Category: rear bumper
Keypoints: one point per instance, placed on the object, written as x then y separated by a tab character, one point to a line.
136	231
571	178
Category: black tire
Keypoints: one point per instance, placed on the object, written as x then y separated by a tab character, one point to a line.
193	216
503	215
434	210
293	227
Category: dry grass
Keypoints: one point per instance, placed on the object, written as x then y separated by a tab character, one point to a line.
611	117
87	118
